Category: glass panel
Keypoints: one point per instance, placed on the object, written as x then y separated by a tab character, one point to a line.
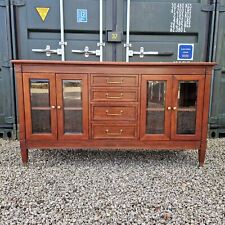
73	121
40	106
155	112
187	107
72	101
41	121
39	90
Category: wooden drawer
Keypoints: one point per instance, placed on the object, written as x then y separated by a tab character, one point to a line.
114	80
104	131
114	95
114	113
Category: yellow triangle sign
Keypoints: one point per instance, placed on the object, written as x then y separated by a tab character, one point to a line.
43	12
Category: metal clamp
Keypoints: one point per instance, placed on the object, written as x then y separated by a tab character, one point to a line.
101	44
87	52
48	51
127	45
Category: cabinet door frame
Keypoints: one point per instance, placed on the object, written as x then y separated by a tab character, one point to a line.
27	104
199	108
143	134
60	112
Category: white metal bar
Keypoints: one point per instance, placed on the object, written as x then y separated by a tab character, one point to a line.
62	42
128	31
101	30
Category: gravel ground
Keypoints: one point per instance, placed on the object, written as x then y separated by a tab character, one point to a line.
93	187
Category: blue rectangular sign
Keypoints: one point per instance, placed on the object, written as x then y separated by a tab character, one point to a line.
185	52
82	16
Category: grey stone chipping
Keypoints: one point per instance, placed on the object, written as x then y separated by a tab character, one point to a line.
112	187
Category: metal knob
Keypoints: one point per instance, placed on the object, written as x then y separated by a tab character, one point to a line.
174	108
58	107
53	107
169	108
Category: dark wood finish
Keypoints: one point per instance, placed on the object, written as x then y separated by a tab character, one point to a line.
200	95
204	127
166	135
27	102
99	144
114	113
20	103
114	94
60	109
114	131
107	89
114	80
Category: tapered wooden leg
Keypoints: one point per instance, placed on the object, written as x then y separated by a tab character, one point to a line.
202	153
24	153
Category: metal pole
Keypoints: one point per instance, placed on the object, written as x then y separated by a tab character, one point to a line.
62	42
213	57
101	31
128	31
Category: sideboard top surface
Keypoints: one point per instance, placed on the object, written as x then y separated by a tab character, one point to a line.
51	62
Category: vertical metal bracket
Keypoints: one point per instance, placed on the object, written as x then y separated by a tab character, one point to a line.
128	45
18	2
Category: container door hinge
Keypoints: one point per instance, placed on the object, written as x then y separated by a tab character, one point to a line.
213	120
18	2
217	67
10	119
6	64
220	8
209	8
4	3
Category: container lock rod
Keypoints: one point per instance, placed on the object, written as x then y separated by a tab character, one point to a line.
142	53
48	51
87	52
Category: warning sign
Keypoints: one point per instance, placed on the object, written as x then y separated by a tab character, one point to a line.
43	12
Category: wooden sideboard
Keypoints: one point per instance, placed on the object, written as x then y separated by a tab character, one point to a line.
113	105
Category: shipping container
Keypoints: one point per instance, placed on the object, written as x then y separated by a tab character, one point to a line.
217	115
7	94
108	30
113	30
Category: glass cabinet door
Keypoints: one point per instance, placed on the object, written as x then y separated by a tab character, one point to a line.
187	107
72	106
40	104
155	107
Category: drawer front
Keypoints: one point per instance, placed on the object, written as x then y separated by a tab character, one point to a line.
105	131
114	80
114	113
111	95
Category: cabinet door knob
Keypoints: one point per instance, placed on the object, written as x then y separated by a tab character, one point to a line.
174	108
58	107
169	108
53	106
